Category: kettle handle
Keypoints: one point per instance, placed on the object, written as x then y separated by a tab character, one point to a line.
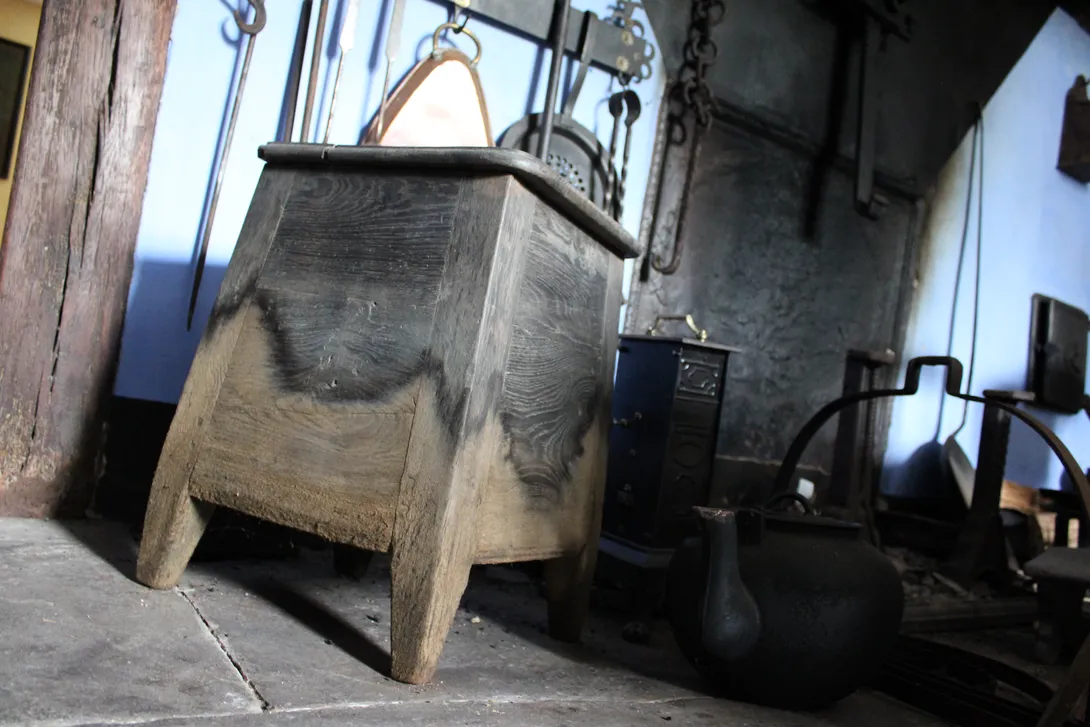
912	385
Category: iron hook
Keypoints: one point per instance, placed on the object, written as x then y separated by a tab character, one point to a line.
632	103
616	104
259	18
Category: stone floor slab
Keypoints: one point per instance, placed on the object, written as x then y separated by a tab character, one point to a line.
245	644
307	637
83	642
860	710
315	644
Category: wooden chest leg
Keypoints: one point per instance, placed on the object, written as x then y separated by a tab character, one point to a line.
434	538
173	526
175	521
456	430
429	575
568	580
567	587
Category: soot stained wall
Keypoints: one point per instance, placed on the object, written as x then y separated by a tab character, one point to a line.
797	302
776	61
795	305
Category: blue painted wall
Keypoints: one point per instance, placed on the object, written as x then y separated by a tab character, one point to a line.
1036	224
205	57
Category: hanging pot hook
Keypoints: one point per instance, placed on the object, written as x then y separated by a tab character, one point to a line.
436	50
259	18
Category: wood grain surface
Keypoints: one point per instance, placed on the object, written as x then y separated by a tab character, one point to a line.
323	381
456	430
349	290
568	579
175	521
542	479
328	467
67	253
421	365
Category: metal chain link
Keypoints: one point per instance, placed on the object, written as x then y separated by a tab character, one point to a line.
691	91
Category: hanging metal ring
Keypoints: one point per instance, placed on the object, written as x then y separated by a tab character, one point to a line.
436	51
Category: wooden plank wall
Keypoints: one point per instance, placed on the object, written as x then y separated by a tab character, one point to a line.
67	253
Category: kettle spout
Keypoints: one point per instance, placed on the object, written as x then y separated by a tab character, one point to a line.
732	621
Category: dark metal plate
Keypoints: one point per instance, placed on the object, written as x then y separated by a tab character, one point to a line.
574	153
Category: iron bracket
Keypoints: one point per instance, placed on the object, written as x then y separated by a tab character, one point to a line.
617	50
875	20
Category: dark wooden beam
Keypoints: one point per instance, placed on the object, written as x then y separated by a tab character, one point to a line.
67	252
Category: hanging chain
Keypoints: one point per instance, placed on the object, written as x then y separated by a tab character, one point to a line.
689	94
691	91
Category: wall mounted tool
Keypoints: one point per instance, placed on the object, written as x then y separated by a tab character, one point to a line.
616	110
574	152
618	103
632	103
1074	158
621	49
1056	371
868	23
295	71
315	63
393	43
560	32
687	112
347	41
250	29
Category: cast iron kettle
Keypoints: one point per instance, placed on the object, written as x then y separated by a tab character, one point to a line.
796	610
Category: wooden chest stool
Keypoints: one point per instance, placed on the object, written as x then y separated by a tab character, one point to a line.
412	351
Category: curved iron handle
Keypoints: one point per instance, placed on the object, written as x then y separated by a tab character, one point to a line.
259	18
912	385
634	107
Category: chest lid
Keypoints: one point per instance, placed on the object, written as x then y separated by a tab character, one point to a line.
537	176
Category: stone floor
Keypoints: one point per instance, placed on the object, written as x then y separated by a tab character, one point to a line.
289	642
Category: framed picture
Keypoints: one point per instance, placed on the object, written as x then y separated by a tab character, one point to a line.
14	60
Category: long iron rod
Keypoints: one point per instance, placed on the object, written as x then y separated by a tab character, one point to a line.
315	62
348	39
560	35
198	274
632	102
616	108
393	43
295	73
333	100
866	133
